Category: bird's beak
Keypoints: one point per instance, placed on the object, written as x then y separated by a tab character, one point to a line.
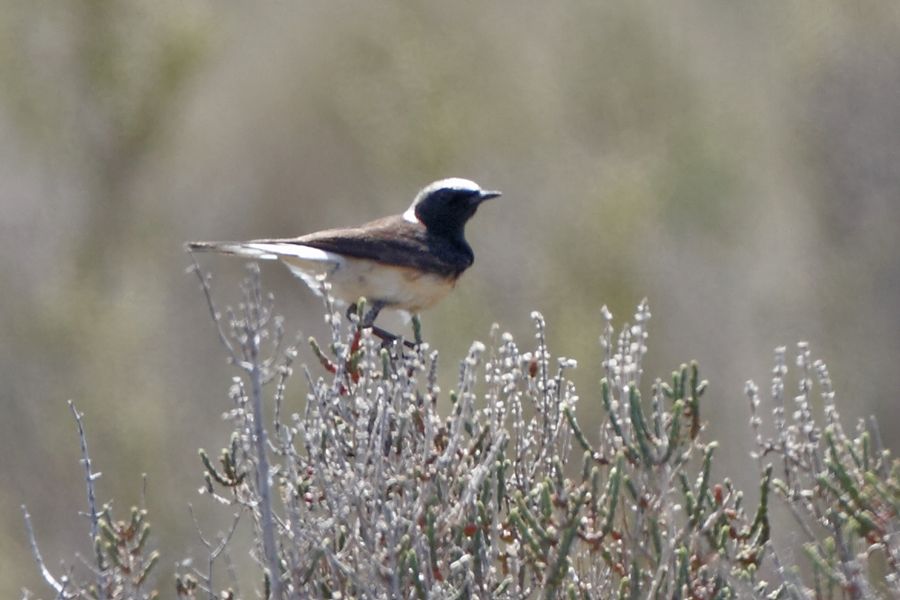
487	195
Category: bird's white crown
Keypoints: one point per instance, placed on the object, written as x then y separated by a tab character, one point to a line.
451	183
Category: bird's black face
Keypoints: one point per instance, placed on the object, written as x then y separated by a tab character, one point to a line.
445	206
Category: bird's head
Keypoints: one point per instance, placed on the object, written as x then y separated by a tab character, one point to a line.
444	206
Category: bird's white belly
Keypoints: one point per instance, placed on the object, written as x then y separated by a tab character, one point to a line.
401	288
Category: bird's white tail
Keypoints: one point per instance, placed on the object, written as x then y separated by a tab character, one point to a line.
304	262
245	249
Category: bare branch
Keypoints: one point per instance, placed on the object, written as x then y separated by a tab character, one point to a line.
58	587
90	477
216	317
214	551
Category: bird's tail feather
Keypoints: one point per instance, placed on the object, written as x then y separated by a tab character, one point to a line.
305	262
288	250
233	248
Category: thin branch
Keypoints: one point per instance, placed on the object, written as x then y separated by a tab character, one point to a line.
214	552
249	329
267	522
90	476
216	317
60	588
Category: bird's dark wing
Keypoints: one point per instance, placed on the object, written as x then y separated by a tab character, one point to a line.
394	241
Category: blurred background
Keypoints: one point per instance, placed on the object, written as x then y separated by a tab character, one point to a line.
737	163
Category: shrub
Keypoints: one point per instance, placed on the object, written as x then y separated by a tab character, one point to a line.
372	491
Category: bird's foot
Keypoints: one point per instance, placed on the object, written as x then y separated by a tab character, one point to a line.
389	338
368	322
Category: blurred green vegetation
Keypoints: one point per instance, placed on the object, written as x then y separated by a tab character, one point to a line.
737	163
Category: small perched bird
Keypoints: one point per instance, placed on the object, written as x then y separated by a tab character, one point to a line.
406	262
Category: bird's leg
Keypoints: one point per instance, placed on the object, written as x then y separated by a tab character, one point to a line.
386	336
370	316
369	321
389	338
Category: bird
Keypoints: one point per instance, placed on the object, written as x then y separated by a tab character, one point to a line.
406	262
